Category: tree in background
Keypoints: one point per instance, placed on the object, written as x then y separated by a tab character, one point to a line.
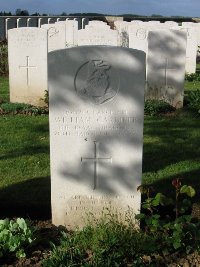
20	12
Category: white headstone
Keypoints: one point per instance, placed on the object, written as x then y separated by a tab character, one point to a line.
191	49
171	24
123	32
193	25
71	27
96	131
56	36
27	53
97	25
97	22
138	37
136	21
92	36
166	66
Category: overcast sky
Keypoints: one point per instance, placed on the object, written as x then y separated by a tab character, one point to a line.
189	8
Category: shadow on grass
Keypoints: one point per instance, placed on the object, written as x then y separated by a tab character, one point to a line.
170	141
165	186
29	199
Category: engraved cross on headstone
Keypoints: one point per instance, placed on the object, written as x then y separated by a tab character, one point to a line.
96	160
166	68
27	69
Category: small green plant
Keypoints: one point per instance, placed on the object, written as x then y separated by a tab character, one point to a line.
3	58
175	234
193	99
14	107
154	107
21	108
107	243
46	97
192	77
15	236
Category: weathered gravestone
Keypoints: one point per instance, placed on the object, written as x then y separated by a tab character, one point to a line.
95	36
166	66
71	30
56	36
191	49
196	26
171	23
27	54
123	32
96	131
138	37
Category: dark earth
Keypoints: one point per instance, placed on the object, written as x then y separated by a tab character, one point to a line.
47	231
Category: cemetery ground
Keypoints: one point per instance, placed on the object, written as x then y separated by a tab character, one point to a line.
171	150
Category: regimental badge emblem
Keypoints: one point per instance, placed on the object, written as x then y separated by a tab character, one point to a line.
97	81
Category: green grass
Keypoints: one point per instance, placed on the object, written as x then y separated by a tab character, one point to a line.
24	161
171	149
4	89
189	86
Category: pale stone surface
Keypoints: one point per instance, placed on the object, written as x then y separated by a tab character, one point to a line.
136	21
153	22
71	27
123	32
56	36
92	36
97	27
27	52
138	37
193	25
166	66
96	131
97	22
191	49
171	23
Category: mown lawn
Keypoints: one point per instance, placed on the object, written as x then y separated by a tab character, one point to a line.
171	149
4	89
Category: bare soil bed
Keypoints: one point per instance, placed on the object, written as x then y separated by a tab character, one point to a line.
40	250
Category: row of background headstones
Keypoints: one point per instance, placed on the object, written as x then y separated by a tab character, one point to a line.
127	34
28	58
108	135
11	23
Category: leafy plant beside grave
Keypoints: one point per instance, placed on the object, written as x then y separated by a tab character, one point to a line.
46	98
3	58
110	243
15	237
192	77
193	99
154	107
181	233
21	108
